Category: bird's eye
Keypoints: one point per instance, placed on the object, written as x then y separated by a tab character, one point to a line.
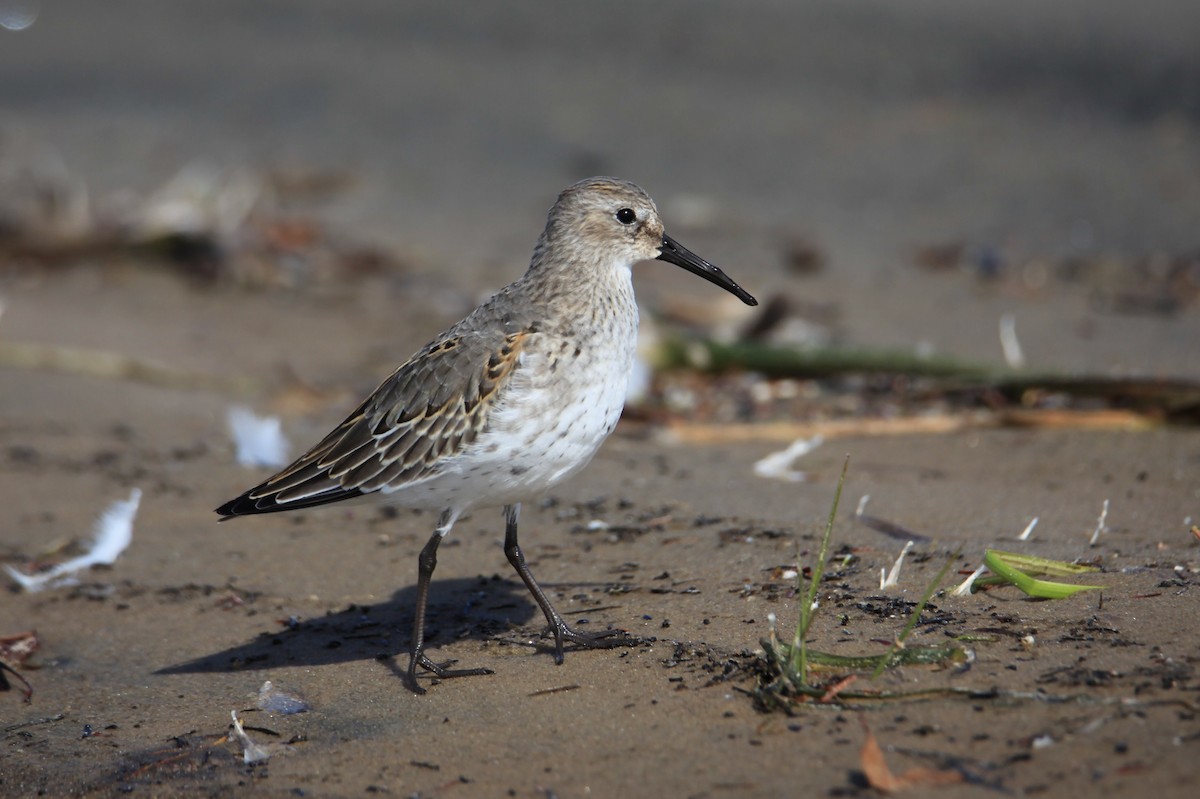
626	216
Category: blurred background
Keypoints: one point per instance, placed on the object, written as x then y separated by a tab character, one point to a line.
904	173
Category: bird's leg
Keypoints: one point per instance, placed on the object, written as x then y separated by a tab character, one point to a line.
562	631
426	563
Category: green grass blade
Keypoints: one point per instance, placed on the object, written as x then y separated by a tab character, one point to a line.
799	647
888	656
1032	565
1001	565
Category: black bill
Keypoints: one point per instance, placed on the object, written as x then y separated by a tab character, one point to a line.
675	253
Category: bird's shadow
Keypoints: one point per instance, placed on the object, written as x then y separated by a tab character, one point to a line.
476	608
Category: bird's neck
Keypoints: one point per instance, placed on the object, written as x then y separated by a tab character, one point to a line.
580	278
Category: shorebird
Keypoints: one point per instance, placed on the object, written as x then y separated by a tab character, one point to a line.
512	400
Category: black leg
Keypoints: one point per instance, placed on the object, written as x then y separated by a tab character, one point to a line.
426	563
562	632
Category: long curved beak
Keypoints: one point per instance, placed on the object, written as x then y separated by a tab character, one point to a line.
675	253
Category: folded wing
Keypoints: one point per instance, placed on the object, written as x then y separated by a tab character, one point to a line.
427	411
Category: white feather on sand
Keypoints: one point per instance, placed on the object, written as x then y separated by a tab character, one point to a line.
111	536
259	439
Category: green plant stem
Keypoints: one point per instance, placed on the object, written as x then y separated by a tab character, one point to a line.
799	645
886	658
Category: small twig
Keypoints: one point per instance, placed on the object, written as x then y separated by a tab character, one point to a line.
20	725
1099	524
27	691
682	432
839	686
558	690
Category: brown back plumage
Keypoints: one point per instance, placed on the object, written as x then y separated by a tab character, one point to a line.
429	409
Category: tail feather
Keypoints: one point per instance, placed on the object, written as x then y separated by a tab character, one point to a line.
247	504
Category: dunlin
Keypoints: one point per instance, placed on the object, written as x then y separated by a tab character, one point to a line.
508	402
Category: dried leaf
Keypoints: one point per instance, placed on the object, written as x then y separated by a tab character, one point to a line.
4	686
16	649
883	780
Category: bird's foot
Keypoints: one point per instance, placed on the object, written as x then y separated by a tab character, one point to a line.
438	670
602	639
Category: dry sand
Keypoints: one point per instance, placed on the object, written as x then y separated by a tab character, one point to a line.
1039	134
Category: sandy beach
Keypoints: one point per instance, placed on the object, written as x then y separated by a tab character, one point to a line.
894	179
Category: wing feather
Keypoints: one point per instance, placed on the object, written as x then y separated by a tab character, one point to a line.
428	410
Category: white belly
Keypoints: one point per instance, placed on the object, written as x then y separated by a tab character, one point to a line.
546	428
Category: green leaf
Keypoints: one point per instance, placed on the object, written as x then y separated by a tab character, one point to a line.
1031	564
1005	565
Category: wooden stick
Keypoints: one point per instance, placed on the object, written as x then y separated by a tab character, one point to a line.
717	433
